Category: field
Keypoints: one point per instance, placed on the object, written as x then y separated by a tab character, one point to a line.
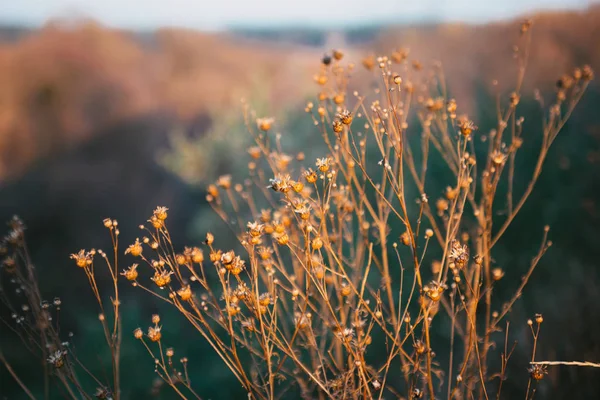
393	212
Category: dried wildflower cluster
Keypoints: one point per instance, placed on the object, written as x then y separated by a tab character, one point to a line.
332	267
36	321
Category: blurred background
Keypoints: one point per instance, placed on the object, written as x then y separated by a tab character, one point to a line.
109	109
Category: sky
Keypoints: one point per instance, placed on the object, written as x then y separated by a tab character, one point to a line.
220	14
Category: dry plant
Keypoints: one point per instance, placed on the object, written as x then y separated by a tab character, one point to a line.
341	277
36	321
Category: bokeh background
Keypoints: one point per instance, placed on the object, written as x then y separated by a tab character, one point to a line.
108	109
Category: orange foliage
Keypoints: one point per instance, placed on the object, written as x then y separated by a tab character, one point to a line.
61	84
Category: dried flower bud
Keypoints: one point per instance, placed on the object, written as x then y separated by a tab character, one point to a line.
539	318
137	333
316	243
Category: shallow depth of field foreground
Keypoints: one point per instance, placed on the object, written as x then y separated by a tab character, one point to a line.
359	226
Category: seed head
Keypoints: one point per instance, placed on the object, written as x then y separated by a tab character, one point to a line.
135	249
282	238
310	176
130	273
82	259
137	333
459	253
156	223
161	213
538	371
338	127
539	318
180	259
466	126
162	278
185	293
57	359
255	229
224	182
197	255
339	98
323	164
497	274
154	333
345	290
264	124
316	243
265	299
346	117
587	73
434	290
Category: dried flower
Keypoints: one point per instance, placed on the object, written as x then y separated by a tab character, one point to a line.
466	126
137	333
236	266
57	359
195	254
265	299
316	243
161	213
339	98
180	259
498	157
346	117
264	124
154	333
323	164
162	278
281	183
224	182
310	176
497	274
255	152
538	371
587	73
156	223
459	253
130	273
185	293
539	318
255	229
345	290
135	249
434	290
282	238
338	127
82	259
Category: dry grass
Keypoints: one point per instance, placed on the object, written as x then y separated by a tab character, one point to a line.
340	277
